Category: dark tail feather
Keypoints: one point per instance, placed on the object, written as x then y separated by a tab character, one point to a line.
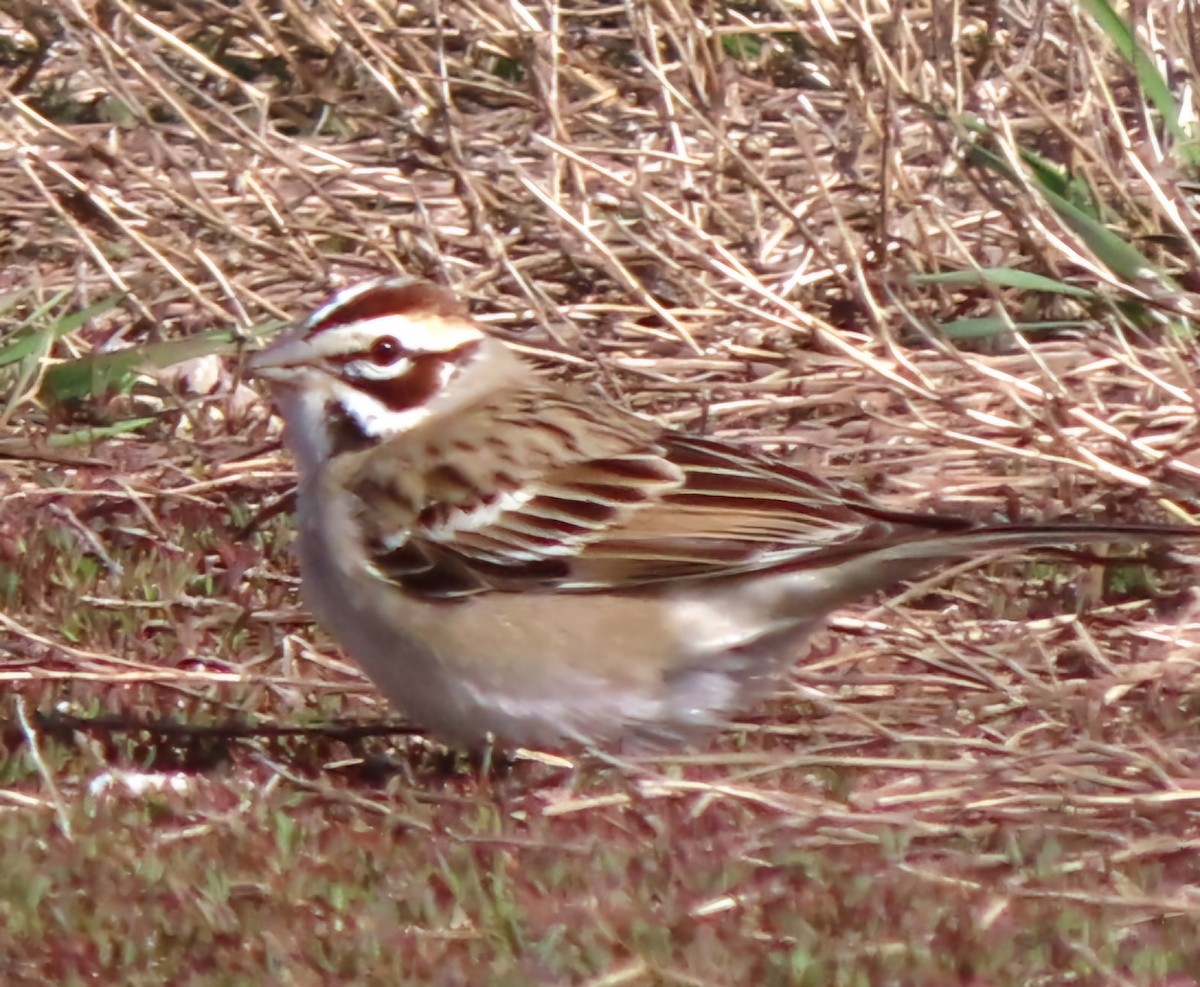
1017	537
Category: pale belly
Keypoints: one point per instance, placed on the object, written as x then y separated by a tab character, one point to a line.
529	669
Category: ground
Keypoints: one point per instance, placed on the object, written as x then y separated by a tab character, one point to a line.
946	254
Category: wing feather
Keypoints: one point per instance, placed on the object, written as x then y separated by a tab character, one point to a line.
666	508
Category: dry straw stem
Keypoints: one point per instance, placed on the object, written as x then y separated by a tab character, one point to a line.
717	213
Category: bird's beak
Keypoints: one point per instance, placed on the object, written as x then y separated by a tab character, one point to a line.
282	359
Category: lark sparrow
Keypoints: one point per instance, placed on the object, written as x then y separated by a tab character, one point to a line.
510	557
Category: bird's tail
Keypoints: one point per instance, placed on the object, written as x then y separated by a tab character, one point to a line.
1019	537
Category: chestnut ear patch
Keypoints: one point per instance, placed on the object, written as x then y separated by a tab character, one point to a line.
418	383
390	298
416	386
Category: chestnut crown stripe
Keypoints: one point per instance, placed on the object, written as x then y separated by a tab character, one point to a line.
419	298
418	377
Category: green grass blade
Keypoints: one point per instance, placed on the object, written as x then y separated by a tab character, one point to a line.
90	436
986	326
1150	79
1004	277
1120	257
102	373
1124	260
31	338
35	342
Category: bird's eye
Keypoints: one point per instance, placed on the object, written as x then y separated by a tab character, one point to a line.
385	351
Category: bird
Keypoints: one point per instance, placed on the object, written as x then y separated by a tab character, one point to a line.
518	562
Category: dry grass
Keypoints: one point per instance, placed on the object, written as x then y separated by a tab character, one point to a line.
721	213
